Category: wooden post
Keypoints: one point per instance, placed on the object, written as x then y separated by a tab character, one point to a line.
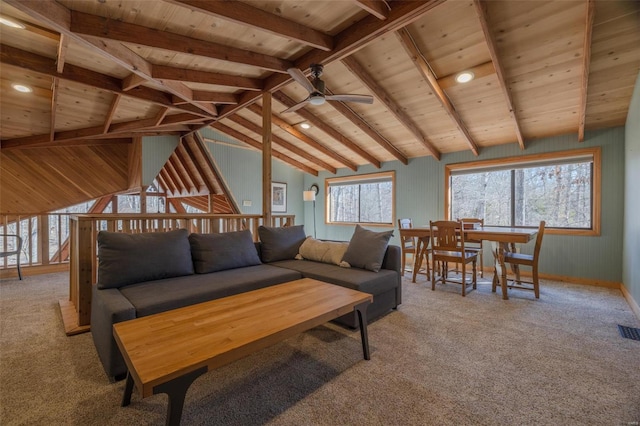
266	158
43	244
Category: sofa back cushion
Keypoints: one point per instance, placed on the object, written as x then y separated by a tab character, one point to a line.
280	243
132	258
218	252
366	249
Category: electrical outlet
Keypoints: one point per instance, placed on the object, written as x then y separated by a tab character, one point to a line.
246	203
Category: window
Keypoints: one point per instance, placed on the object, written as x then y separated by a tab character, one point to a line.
560	188
366	199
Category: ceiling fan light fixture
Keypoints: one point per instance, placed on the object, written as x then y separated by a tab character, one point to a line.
465	77
316	99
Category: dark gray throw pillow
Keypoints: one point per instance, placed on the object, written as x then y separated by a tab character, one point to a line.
367	249
228	250
132	258
280	243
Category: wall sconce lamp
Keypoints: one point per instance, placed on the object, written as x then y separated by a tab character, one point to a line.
310	195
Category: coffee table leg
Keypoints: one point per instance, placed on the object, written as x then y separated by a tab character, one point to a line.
176	389
128	389
361	309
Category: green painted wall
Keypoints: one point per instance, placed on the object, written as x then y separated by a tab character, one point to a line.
242	170
420	195
631	242
156	150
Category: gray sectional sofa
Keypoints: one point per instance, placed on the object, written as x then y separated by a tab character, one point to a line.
144	274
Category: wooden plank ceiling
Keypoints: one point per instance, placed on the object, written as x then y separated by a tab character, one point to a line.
106	71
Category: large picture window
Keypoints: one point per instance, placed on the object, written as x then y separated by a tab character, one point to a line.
366	199
559	188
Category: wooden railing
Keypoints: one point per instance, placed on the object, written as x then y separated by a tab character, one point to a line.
76	312
44	242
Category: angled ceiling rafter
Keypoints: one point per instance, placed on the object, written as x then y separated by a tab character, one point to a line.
359	71
258	145
362	124
483	16
408	43
278	121
328	129
195	144
95	26
255	128
98	131
191	168
377	8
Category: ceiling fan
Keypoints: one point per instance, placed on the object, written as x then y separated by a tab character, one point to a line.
316	90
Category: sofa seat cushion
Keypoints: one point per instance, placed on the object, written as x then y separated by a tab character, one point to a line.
353	278
152	297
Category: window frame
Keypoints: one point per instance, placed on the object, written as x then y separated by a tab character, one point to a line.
361	179
595	153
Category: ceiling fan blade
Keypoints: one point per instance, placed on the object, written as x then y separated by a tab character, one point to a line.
363	99
298	76
297	106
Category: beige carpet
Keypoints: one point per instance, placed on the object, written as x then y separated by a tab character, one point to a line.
439	360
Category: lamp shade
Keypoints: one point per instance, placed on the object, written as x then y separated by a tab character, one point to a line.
309	195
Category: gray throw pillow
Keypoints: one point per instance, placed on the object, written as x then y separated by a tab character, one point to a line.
132	258
367	249
228	250
280	243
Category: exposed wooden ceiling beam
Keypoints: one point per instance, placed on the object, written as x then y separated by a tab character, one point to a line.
483	16
111	113
175	178
190	167
58	17
167	182
360	122
586	63
191	185
251	126
377	8
54	107
97	131
215	97
403	12
358	70
46	66
134	80
63	46
257	145
328	129
423	67
161	115
260	19
197	143
163	72
305	138
105	28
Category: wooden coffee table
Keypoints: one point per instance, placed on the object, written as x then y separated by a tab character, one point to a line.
166	352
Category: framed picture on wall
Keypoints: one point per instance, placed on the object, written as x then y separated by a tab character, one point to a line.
278	197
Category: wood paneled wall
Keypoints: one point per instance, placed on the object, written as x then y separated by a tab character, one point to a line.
45	179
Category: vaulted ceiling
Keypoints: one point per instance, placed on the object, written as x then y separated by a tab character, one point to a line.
105	70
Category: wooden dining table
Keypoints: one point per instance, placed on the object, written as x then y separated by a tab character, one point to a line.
501	238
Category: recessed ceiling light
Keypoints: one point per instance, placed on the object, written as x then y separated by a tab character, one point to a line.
11	23
305	125
22	88
464	77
